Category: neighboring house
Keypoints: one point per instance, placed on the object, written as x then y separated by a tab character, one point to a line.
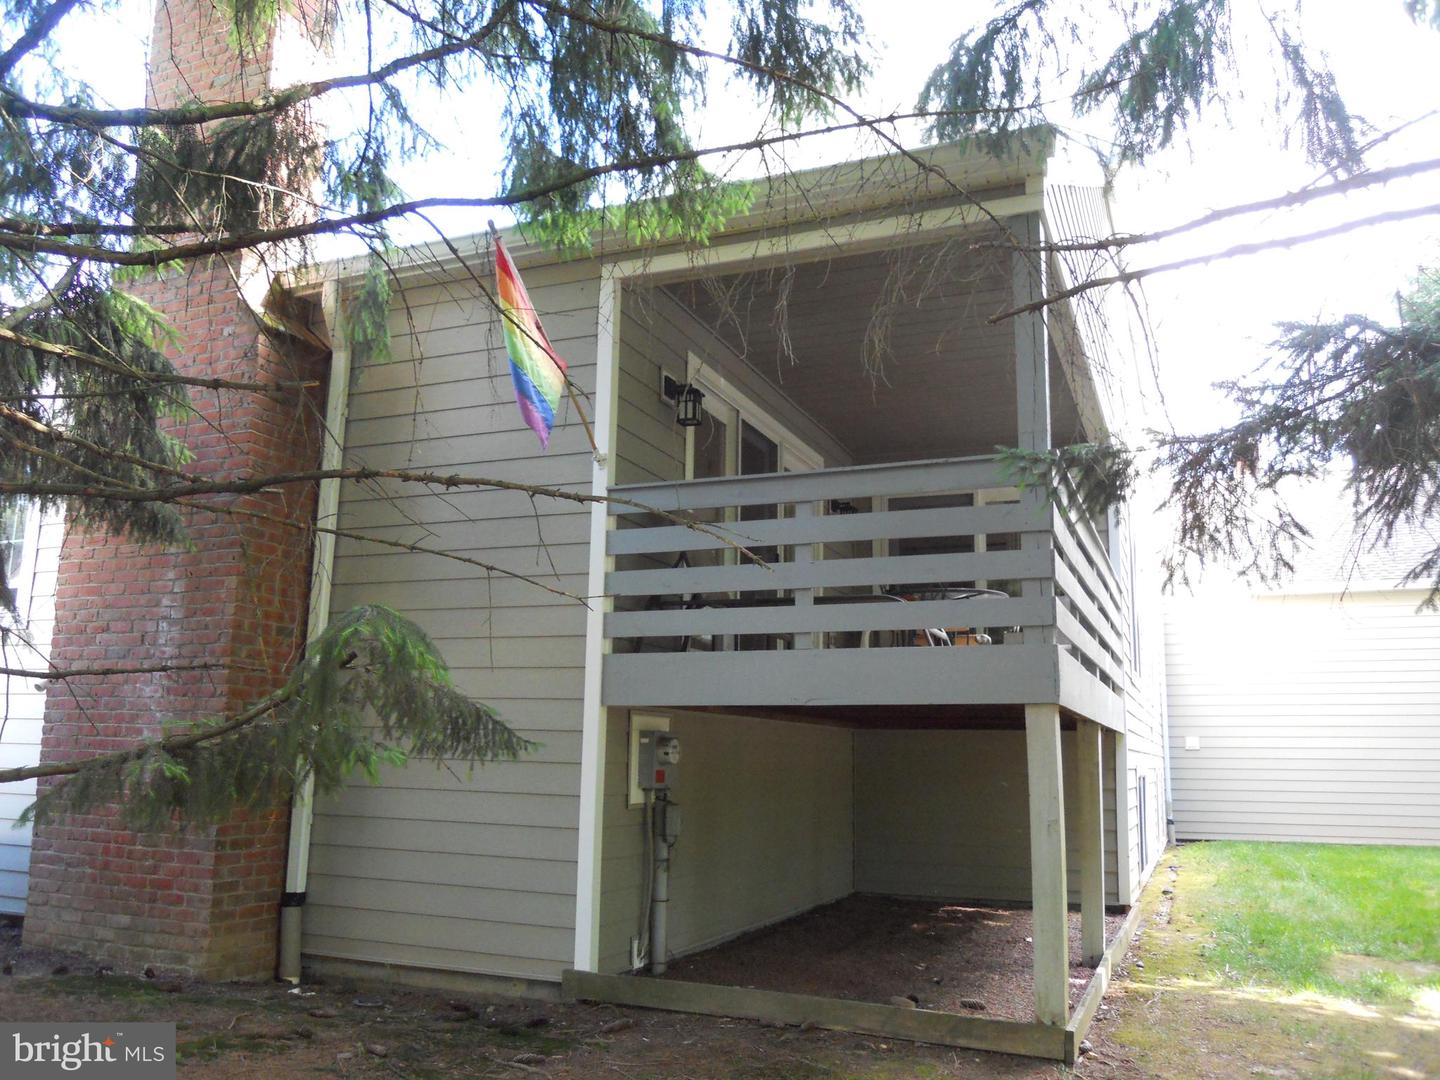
30	546
1311	710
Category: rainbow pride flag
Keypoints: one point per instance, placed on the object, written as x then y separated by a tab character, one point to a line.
536	368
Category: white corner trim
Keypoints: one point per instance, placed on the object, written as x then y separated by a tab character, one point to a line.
327	513
592	734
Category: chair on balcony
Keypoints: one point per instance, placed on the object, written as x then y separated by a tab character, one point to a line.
936	635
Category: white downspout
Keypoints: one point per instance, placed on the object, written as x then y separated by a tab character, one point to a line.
327	512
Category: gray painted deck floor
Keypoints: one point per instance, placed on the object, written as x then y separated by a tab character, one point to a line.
947	956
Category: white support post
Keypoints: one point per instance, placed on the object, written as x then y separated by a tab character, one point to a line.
805	554
1124	876
1048	888
1032	388
591	824
1090	824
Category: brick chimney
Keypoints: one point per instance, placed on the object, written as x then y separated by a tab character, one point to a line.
203	901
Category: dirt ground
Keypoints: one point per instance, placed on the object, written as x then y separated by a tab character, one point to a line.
1165	1017
949	957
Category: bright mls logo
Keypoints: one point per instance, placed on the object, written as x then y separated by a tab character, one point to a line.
114	1052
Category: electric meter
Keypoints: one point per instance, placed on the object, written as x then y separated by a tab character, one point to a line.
659	755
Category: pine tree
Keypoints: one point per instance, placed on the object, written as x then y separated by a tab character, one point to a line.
597	102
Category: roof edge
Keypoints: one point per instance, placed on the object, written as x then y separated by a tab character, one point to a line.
856	186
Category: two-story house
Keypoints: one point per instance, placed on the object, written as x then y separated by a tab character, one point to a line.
932	682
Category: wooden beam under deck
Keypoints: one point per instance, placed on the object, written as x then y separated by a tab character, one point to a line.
885	717
890	1021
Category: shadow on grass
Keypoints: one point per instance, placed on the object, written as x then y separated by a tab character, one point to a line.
1237	978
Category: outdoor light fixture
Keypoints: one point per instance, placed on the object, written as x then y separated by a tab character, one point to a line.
687	398
688	410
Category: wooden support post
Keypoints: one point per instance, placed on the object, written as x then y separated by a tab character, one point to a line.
1048	886
1090	824
1032	390
804	554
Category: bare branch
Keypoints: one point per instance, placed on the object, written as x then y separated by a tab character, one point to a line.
154	378
61	675
248	485
46	302
1279	202
1276	244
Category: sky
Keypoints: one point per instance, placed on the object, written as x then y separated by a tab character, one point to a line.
1208	323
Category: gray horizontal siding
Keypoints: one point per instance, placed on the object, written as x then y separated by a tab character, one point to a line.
1318	719
445	867
657	334
767	829
946	814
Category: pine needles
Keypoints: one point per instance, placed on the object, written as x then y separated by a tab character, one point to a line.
372	692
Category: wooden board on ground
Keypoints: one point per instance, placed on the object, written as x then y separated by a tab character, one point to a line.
920	1025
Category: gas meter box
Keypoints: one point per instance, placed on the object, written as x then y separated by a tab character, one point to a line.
659	756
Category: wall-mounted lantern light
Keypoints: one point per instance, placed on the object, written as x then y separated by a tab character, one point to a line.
687	398
689	412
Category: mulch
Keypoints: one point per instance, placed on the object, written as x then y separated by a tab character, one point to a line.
951	957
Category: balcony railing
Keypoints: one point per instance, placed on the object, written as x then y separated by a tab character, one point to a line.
913	583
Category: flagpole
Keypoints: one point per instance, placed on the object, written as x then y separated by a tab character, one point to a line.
569	385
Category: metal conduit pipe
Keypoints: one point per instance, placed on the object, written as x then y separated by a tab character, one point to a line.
666	830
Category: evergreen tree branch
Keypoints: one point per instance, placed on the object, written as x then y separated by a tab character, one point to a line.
874	125
34	34
131	459
18	234
46	302
371	691
200	113
169	744
50	431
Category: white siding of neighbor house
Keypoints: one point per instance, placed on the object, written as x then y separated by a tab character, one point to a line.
22	708
1317	718
436	868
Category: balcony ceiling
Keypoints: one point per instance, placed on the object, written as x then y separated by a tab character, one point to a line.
943	384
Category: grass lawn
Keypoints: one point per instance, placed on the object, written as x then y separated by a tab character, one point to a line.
1291	960
1307	916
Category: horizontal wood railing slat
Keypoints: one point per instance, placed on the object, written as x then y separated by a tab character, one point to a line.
898	480
1071	521
831	529
968	566
916	615
1066	582
1070	547
1082	639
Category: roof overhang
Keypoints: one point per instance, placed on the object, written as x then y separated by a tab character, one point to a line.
907	179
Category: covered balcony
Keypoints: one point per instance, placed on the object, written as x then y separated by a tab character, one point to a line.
898	668
835	531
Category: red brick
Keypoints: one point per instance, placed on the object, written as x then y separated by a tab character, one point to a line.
240	594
